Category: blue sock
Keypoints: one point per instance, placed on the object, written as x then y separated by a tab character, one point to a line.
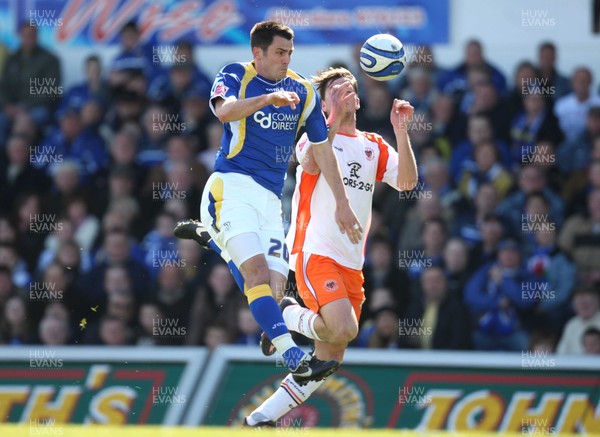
267	314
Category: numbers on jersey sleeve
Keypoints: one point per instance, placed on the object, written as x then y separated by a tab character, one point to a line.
275	248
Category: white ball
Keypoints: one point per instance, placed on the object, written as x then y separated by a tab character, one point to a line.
382	57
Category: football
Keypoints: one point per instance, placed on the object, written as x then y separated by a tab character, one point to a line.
382	57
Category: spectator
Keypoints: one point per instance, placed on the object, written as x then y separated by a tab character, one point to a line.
174	301
455	81
556	274
572	109
382	333
214	132
494	297
486	250
53	331
420	91
479	131
434	236
248	329
94	88
114	332
15	325
29	64
436	179
442	321
71	141
20	275
148	316
159	244
17	175
484	100
428	207
591	341
66	184
33	225
526	75
444	119
534	124
486	169
375	116
56	286
532	179
542	343
86	226
469	222
133	58
197	117
579	239
547	67
575	155
381	271
586	303
456	267
216	335
116	250
218	303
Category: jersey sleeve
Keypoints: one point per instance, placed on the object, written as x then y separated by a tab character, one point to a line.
387	166
302	147
226	84
316	125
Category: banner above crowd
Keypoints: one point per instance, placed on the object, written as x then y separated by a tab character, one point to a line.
92	22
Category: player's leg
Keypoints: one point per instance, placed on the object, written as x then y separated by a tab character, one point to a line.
326	288
289	394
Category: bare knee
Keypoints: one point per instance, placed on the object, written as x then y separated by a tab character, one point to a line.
342	333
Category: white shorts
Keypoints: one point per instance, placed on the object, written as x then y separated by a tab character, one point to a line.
234	204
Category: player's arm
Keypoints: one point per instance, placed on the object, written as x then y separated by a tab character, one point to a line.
400	115
233	109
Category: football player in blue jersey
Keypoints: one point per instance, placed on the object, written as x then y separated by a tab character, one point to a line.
262	105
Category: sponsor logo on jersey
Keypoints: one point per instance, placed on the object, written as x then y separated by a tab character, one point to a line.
276	120
354	167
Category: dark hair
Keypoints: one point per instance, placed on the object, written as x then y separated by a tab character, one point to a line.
436	221
262	34
547	45
592	330
130	25
92	58
325	77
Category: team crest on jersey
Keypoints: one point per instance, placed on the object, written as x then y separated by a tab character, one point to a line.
369	153
220	90
302	143
330	285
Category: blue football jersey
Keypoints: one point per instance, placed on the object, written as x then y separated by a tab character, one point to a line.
261	144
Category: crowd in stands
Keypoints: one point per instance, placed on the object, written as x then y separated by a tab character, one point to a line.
497	248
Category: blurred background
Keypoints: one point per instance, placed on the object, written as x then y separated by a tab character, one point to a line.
106	141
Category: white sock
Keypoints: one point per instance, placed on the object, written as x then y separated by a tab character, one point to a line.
283	343
288	396
301	320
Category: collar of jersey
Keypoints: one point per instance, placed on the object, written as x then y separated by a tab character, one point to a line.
262	78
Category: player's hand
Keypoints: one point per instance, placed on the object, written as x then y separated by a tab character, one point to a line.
284	98
347	222
401	114
343	100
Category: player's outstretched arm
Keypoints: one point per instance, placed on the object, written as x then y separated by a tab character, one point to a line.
232	109
400	115
344	215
